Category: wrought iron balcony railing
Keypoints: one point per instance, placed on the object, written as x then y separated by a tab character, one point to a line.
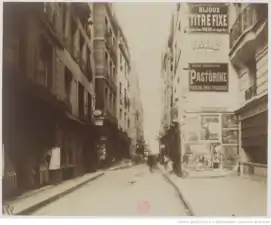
250	16
250	92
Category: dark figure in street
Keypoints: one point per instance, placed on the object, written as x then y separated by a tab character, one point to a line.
151	162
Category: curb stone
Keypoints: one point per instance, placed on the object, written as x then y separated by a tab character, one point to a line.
53	198
121	167
181	196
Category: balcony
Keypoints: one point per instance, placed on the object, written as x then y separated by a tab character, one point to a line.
246	29
251	92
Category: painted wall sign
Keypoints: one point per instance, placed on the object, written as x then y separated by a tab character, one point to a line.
209	77
205	45
206	18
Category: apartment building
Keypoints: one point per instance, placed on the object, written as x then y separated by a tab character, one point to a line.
106	50
213	80
167	134
123	92
48	74
136	129
248	54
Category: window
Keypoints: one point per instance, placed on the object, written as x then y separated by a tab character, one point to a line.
120	114
89	106
108	99
68	83
82	42
114	42
105	94
120	88
110	67
106	59
81	93
45	66
64	17
179	26
73	27
128	123
106	21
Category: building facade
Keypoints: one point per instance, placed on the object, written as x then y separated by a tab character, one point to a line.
123	92
248	54
213	83
106	59
136	129
48	73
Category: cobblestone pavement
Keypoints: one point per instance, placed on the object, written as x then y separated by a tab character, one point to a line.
128	192
223	196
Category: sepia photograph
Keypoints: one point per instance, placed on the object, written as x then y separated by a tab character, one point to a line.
132	109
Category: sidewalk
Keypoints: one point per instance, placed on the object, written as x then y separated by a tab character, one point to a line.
33	200
223	196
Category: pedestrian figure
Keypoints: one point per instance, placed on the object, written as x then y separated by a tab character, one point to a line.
151	159
166	160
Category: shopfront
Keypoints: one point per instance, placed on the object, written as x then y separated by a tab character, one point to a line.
254	128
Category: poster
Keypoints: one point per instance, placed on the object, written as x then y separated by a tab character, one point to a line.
229	121
210	127
229	136
209	77
199	149
212	18
192	128
55	159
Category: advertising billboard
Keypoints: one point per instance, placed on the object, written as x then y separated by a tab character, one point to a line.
229	121
208	77
208	18
229	136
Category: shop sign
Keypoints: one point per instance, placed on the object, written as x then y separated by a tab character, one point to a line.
205	45
206	18
208	77
254	111
99	122
97	113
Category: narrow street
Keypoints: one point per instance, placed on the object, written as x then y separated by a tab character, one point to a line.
120	193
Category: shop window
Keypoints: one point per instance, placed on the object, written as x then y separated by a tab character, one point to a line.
45	66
